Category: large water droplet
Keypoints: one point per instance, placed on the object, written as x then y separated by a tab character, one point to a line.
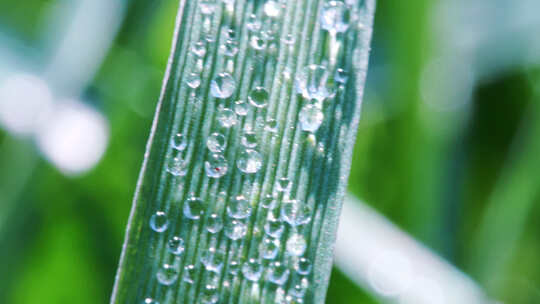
278	273
214	223
303	266
222	86
193	208
216	142
311	118
216	166
226	117
341	76
258	97
295	213
313	83
159	221
177	166
213	259
240	108
239	207
179	142
249	139
167	274
252	269
335	17
296	245
269	248
249	161
269	201
176	245
235	229
274	228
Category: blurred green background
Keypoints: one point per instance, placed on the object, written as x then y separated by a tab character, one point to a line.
448	147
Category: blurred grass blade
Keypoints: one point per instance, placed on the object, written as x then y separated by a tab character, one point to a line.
248	158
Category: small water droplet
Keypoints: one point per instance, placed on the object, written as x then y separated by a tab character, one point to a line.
193	80
288	39
258	97
272	9
150	301
193	208
274	228
269	248
189	274
207	7
295	213
199	49
223	86
226	117
176	166
278	273
296	245
249	139
210	295
253	23
216	166
299	286
257	42
335	17
234	267
159	221
216	142
249	161
271	125
176	245
252	269
269	201
283	184
239	207
179	142
311	118
313	83
213	278
229	48
167	274
303	266
213	259
214	223
235	229
241	108
341	76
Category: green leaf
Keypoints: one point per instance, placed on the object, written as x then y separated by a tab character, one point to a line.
280	156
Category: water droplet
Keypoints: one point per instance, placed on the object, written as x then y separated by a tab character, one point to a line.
193	208
274	228
253	24
193	80
179	142
189	274
207	7
214	223
252	269
283	185
295	213
226	117
257	42
213	278
303	266
249	161
199	49
272	8
271	125
258	97
167	274
216	166
239	207
235	229
249	139
241	108
269	248
296	245
222	86
311	118
234	267
335	17
289	39
313	83
278	273
150	301
213	259
269	201
216	142
210	295
159	221
177	166
341	76
229	48
176	245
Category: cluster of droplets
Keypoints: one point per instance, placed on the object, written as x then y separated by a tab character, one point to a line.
251	237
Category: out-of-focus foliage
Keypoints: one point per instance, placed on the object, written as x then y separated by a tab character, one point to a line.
463	181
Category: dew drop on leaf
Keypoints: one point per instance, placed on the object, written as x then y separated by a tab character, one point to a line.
159	221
